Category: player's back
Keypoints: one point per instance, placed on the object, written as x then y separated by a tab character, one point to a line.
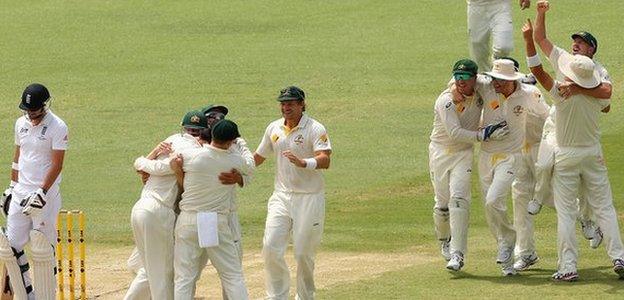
202	189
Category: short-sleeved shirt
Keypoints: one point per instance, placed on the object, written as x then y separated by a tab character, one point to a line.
577	119
513	110
306	138
455	125
202	189
36	145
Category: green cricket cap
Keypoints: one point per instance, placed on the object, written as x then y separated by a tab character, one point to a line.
225	130
194	119
220	108
291	93
465	66
588	38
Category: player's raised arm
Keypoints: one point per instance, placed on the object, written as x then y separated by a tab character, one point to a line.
540	28
533	60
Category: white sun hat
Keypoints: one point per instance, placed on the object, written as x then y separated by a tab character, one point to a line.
504	69
580	69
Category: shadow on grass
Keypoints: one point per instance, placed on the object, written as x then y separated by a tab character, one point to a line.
542	277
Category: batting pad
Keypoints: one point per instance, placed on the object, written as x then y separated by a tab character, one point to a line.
43	266
10	262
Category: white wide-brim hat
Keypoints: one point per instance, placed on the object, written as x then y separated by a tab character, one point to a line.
580	69
504	69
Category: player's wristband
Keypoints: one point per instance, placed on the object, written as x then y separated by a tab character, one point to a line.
533	61
310	163
15	166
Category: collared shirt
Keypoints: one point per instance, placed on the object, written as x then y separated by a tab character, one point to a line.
513	110
36	145
161	184
455	125
577	119
306	138
202	189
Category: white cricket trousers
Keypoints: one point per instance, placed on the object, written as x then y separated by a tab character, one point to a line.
450	173
485	21
139	287
20	225
522	190
152	226
304	216
190	259
572	163
497	172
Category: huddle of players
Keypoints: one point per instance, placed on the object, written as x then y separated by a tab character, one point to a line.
535	151
196	171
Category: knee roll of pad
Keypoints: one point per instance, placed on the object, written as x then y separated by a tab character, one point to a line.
10	258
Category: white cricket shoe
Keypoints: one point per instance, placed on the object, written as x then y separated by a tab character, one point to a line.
445	249
525	261
569	277
456	262
508	270
505	256
618	267
597	239
589	229
534	207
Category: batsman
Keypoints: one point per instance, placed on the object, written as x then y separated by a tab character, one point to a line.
33	198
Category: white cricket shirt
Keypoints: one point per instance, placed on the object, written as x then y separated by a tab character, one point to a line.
36	144
535	122
455	125
161	184
202	189
577	119
513	109
303	140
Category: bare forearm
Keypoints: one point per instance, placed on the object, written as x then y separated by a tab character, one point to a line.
603	91
542	77
51	177
14	175
14	172
322	160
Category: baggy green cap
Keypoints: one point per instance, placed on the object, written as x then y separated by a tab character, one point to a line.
588	38
465	66
194	119
291	93
225	130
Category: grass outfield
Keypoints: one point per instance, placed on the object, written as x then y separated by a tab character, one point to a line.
124	72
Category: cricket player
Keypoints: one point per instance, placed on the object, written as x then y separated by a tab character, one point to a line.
579	152
490	19
198	171
583	43
455	129
34	197
153	216
505	99
297	206
523	186
214	114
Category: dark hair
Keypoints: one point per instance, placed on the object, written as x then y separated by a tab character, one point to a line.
206	134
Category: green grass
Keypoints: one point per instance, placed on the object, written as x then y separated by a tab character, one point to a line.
124	72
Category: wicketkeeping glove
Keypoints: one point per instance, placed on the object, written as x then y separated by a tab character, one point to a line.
493	132
5	201
34	203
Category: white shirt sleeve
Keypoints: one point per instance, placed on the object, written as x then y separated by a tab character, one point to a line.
240	147
60	138
538	106
159	167
320	139
554	92
450	120
266	144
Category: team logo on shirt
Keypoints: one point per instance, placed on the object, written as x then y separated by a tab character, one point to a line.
460	108
43	132
299	139
274	137
518	110
448	105
494	105
23	130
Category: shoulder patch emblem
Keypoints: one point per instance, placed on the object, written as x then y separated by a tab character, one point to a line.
274	137
494	104
323	138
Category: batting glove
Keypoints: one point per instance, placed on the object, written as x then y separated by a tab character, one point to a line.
493	132
5	201
34	203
